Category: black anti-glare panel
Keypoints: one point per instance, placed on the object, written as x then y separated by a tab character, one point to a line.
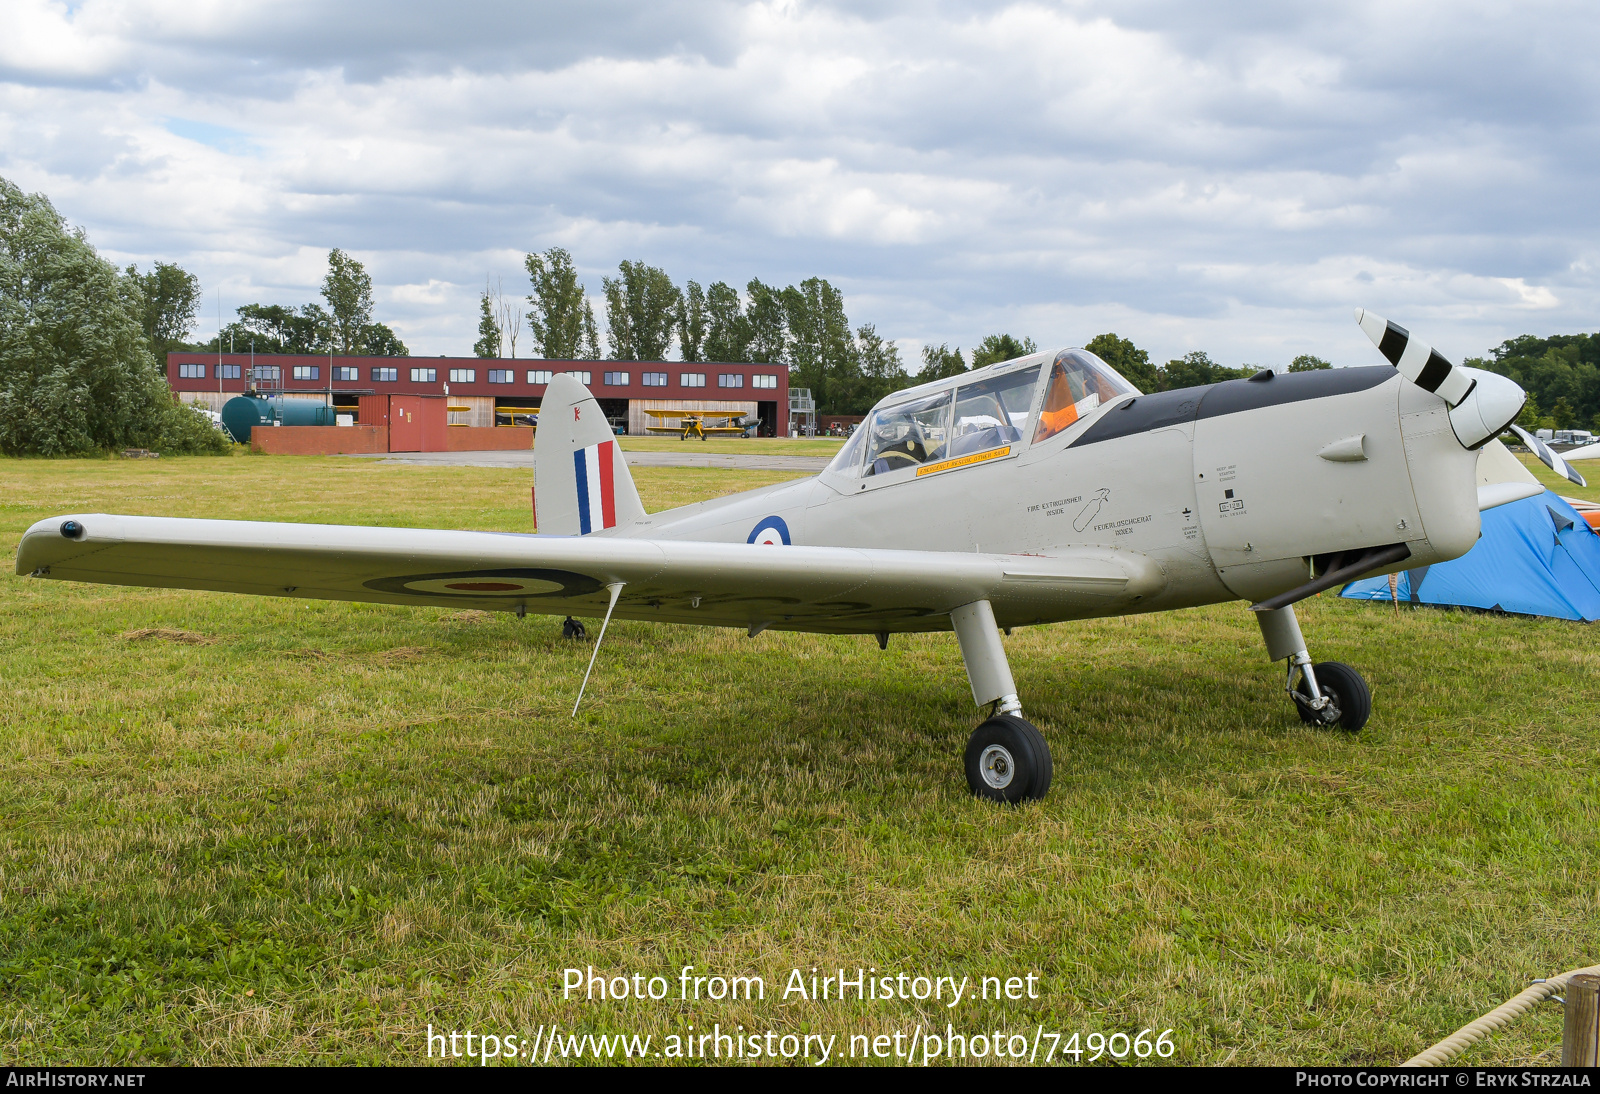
1166	408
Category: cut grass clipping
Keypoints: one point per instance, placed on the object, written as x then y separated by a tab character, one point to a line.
242	830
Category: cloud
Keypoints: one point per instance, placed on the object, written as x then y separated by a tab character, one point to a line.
1232	179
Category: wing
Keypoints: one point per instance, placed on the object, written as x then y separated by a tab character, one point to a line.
830	589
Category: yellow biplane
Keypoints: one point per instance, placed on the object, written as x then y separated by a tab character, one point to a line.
702	423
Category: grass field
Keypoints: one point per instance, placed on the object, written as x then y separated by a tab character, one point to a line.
278	831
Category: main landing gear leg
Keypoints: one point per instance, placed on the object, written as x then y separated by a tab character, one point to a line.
1007	759
1328	694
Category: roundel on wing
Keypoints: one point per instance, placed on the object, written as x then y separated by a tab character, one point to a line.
772	532
513	583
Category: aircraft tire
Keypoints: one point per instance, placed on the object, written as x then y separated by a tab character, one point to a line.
1007	760
1349	691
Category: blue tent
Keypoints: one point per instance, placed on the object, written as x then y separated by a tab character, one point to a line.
1537	557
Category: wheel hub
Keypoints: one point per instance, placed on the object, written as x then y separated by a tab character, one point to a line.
997	766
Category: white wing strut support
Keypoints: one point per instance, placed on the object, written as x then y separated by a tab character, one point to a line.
615	588
985	656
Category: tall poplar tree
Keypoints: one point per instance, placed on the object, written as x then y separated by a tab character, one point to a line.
348	291
488	343
642	306
727	330
693	320
766	325
559	314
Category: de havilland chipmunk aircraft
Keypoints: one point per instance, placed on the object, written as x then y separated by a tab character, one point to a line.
1037	490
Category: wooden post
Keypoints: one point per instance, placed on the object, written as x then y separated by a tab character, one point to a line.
1580	1033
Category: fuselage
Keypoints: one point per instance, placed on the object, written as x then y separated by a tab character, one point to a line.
1233	490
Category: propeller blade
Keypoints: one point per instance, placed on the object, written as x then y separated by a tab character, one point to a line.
1548	456
1419	363
1587	452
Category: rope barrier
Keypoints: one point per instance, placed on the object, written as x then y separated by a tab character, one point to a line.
1473	1032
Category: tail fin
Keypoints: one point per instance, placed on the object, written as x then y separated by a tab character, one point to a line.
580	482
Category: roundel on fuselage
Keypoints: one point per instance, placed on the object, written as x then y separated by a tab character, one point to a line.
771	531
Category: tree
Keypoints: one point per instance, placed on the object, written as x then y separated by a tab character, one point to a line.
507	316
1131	362
1001	347
348	291
939	362
692	323
488	343
171	297
76	371
881	371
274	328
642	308
1562	366
1563	414
728	332
559	314
822	351
1195	369
764	316
379	341
1307	363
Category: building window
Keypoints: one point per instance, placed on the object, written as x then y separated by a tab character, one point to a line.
307	372
267	374
730	379
500	376
191	372
386	374
346	372
463	376
616	379
764	379
655	379
539	376
424	375
584	378
692	379
227	372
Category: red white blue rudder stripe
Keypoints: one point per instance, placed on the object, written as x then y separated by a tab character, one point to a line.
597	489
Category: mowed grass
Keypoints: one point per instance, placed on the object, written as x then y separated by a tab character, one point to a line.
301	832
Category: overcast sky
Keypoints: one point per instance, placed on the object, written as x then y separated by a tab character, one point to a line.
1229	177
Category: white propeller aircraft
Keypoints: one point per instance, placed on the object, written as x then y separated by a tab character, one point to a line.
1032	491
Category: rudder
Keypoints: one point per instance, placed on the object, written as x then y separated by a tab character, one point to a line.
581	482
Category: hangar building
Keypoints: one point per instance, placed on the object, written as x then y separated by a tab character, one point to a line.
487	391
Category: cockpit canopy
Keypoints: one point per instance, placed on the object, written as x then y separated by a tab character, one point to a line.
980	412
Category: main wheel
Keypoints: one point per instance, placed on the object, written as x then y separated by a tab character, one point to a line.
1008	761
1351	704
571	628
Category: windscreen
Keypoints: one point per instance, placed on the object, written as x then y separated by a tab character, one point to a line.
1079	382
908	435
993	412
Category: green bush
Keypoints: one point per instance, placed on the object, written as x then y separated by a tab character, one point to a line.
76	372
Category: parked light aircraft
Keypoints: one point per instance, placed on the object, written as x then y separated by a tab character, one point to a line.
1033	491
692	423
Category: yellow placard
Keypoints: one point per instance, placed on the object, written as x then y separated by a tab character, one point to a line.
963	461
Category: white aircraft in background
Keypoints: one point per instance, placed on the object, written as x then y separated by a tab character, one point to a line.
1032	491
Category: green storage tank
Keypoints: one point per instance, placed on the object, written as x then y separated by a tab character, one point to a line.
243	413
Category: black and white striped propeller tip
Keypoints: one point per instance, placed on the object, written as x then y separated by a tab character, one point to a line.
1548	456
1421	364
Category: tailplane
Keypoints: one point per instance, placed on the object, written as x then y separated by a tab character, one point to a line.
580	482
